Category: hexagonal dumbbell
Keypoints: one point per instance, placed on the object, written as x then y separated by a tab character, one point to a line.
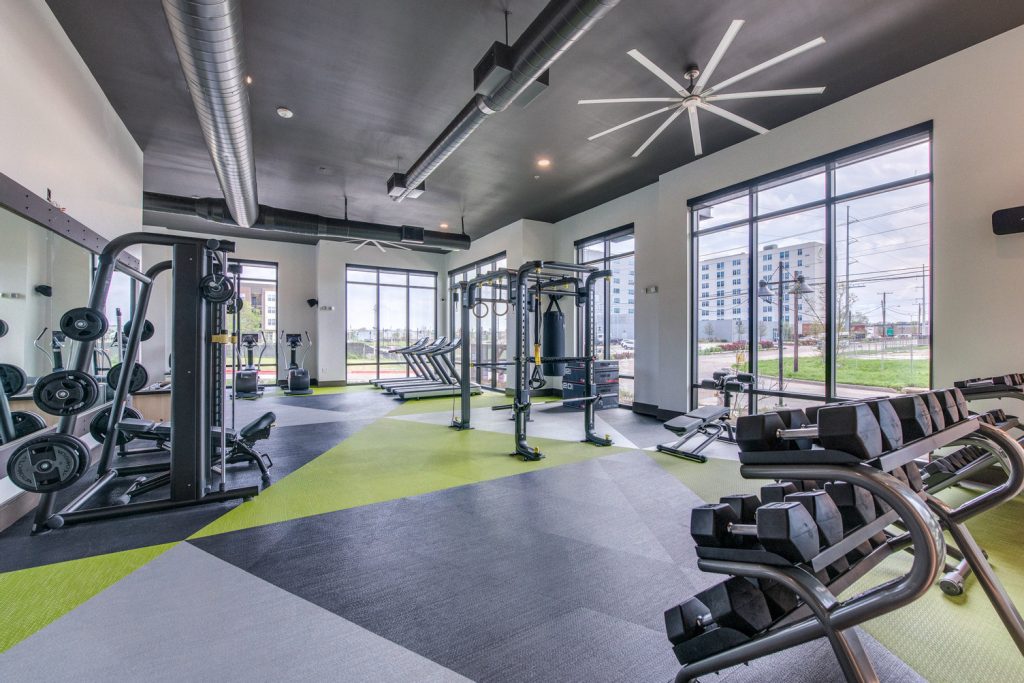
786	529
829	521
735	603
760	432
914	417
950	409
851	428
888	423
935	411
776	492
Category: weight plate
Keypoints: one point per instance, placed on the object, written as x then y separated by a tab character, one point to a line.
98	426
12	378
216	288
48	463
66	392
140	377
26	423
4	329
83	324
235	305
148	330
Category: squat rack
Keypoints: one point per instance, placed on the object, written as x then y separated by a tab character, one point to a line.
529	282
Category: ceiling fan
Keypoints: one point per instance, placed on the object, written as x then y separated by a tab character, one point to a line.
377	243
699	95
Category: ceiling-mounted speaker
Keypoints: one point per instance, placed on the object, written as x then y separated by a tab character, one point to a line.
1008	221
45	290
311	302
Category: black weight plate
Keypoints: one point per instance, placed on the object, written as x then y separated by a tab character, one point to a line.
66	392
12	378
148	330
98	426
83	324
216	288
236	305
4	329
140	377
48	463
26	423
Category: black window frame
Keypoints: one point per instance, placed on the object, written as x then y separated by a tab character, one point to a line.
377	285
277	289
828	163
478	267
605	239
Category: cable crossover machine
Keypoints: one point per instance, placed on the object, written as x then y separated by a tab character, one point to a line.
522	290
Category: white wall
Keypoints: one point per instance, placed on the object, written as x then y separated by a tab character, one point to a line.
57	129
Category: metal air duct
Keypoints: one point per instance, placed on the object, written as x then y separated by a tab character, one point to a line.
208	37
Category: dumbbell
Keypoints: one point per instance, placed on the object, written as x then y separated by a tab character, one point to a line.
735	603
915	418
785	529
849	427
856	508
829	521
952	584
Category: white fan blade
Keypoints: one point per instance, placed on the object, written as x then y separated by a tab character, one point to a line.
765	93
698	150
733	117
727	39
657	71
396	245
632	99
766	65
377	244
658	132
632	121
361	245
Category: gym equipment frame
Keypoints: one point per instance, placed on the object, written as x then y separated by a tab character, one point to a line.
191	374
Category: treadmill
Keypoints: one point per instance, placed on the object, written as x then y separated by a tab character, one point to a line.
440	359
405	352
422	371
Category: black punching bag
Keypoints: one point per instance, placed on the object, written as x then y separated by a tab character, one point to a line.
553	339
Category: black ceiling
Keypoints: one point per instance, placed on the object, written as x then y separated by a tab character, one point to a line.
372	82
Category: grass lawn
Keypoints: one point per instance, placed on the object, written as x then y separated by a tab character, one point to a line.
870	372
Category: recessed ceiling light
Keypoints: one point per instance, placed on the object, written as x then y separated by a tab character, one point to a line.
443	226
543	162
248	80
285	112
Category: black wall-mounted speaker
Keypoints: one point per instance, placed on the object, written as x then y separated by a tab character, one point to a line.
1008	221
311	302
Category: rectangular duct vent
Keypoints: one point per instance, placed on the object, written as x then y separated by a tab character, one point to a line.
396	186
412	235
495	68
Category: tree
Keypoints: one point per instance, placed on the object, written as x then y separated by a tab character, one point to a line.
740	327
709	331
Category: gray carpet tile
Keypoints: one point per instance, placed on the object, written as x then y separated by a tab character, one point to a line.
557	574
188	616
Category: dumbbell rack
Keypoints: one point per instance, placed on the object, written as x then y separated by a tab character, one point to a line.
922	515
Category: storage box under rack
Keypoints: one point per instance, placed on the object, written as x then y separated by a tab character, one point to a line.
605	371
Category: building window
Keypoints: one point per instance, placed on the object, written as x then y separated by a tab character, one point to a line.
488	336
614	338
385	309
859	222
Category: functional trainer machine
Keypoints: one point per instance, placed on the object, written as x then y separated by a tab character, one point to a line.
53	462
523	289
297	383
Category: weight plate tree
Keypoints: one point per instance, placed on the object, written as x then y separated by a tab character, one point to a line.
98	426
26	423
140	377
216	288
66	392
83	324
148	330
12	378
48	463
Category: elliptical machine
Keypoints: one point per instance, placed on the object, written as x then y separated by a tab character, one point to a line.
297	383
247	380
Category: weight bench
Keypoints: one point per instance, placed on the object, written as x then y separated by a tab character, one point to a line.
709	422
240	444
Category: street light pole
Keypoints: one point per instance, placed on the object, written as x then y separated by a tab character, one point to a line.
781	301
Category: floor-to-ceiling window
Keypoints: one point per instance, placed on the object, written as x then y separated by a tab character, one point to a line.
488	333
258	291
385	309
817	278
614	302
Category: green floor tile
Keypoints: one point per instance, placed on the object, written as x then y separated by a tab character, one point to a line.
32	598
394	459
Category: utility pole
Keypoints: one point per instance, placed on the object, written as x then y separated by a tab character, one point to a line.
885	327
849	318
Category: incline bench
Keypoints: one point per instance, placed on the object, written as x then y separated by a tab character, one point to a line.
241	444
710	422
